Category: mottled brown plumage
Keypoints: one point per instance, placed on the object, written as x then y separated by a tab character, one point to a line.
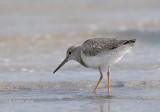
95	46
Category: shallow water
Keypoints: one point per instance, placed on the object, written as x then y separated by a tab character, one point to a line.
33	45
26	79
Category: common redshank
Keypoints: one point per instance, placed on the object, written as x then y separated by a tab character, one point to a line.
98	53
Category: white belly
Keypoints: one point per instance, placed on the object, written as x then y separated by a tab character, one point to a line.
105	59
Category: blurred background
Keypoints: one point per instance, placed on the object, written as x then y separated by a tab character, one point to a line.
34	37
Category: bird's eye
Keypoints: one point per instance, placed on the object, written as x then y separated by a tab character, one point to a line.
69	52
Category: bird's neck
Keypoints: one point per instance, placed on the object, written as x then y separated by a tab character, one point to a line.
78	56
78	53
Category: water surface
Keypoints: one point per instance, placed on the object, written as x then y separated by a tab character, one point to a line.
33	42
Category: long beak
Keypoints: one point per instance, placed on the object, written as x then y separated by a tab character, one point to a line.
64	61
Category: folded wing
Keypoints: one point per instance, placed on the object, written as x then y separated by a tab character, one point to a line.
95	46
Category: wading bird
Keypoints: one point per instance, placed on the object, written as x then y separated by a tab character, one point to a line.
98	53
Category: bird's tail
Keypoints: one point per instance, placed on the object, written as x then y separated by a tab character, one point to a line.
130	41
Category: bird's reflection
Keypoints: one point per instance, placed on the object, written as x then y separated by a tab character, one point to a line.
108	108
102	104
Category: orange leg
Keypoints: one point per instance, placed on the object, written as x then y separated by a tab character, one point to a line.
108	73
99	79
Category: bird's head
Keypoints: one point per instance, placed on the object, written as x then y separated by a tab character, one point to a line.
70	55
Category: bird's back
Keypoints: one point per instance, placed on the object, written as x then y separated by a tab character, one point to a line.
95	46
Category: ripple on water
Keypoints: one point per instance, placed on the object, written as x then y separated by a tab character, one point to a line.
81	85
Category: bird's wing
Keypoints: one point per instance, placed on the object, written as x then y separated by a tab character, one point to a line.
94	46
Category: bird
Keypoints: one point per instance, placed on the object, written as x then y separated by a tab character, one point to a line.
98	53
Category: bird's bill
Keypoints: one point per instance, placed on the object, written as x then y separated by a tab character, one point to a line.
63	62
